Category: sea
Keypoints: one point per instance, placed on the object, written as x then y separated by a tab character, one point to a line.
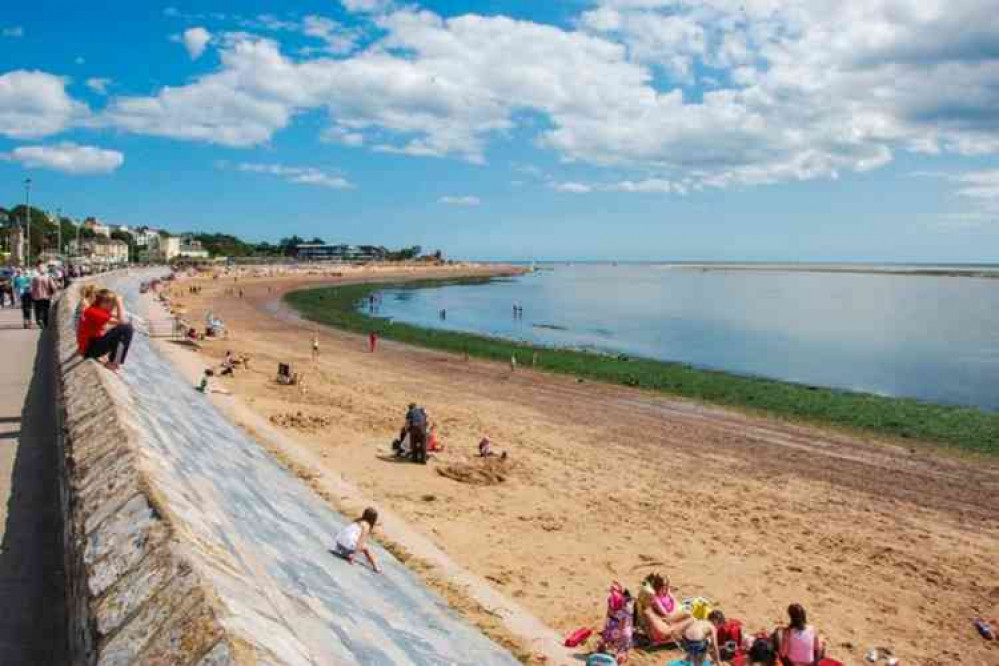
924	332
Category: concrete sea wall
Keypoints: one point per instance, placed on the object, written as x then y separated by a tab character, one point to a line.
188	544
134	596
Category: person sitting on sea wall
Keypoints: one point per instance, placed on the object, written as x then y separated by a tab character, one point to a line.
798	644
701	637
659	616
87	293
104	330
353	539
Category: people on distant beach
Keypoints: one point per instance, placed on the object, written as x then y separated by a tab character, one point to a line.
353	539
206	385
104	330
700	638
486	449
434	444
228	364
315	347
416	428
799	644
372	342
658	613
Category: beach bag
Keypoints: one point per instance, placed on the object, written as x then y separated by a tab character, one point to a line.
698	607
578	637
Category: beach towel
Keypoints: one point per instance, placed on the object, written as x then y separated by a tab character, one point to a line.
601	659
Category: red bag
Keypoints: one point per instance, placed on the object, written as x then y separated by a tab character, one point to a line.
578	637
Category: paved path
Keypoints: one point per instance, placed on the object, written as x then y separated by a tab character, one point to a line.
32	607
261	536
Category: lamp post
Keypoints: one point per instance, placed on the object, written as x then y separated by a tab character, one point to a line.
27	219
59	232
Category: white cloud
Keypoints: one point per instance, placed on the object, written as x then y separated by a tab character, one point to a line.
195	41
299	175
14	31
68	157
99	85
708	93
646	186
571	187
35	104
367	6
460	201
338	39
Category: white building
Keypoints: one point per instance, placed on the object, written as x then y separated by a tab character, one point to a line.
101	250
175	247
145	237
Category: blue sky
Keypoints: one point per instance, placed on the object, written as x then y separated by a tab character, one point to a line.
627	129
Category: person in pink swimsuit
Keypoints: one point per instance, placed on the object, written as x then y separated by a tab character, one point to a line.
798	644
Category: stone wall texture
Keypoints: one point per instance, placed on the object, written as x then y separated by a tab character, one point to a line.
134	598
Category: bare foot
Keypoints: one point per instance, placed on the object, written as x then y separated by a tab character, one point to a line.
112	366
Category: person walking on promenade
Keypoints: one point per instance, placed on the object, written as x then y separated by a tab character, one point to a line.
104	330
22	287
43	288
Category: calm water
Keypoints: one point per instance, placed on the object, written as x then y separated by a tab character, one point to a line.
933	338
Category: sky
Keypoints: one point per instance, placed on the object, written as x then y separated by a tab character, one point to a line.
807	130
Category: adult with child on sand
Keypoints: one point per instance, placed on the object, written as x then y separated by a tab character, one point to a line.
658	613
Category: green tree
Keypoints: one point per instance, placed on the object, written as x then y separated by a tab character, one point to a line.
288	245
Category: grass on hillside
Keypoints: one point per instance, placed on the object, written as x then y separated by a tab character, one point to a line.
967	429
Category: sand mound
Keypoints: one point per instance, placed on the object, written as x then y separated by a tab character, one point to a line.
302	422
482	472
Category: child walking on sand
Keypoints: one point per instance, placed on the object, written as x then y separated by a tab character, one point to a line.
353	538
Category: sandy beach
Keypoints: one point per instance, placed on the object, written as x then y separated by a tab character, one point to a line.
885	545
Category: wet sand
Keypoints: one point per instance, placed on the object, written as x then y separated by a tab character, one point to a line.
885	545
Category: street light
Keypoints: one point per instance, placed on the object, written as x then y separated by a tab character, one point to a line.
27	217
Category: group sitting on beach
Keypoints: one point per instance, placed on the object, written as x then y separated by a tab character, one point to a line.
656	619
103	327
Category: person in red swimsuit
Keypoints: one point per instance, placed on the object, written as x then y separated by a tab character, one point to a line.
104	330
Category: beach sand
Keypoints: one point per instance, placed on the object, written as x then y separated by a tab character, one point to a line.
885	545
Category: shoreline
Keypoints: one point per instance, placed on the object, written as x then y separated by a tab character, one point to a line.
608	483
901	420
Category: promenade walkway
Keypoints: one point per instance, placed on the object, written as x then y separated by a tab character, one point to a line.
261	537
32	607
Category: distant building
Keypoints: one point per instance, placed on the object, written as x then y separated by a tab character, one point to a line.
101	250
346	253
168	248
99	229
144	236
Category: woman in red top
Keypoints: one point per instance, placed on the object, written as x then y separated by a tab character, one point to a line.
103	330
